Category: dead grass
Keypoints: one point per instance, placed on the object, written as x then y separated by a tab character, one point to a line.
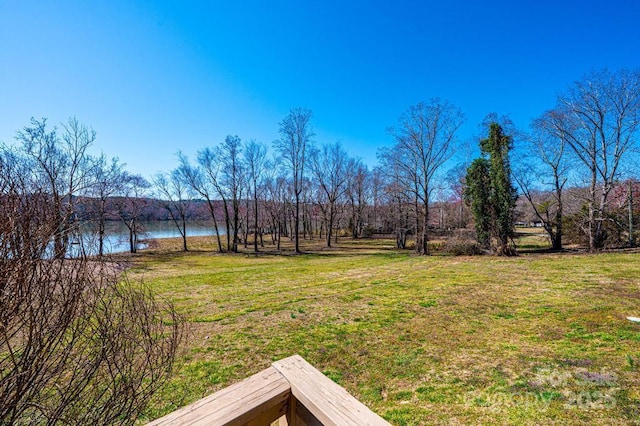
421	340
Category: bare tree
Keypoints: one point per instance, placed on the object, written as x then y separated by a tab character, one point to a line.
397	180
276	206
306	205
357	194
220	170
233	179
328	165
632	239
296	134
63	168
108	181
377	181
598	118
424	136
129	205
211	165
202	180
547	144
456	183
255	157
172	190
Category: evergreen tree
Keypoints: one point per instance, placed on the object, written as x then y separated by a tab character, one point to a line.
490	192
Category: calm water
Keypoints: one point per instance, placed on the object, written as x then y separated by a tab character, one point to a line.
117	235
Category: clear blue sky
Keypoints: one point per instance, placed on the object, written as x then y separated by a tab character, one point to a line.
155	77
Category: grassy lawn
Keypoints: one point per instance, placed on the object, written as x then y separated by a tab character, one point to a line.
540	338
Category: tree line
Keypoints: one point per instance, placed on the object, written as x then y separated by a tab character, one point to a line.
573	170
568	168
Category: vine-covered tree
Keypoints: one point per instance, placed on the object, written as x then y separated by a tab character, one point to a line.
478	195
491	193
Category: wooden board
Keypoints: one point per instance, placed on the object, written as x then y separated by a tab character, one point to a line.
257	400
328	402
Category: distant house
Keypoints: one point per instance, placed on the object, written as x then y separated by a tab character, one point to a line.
530	224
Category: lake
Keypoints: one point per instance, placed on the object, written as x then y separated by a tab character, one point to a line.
117	235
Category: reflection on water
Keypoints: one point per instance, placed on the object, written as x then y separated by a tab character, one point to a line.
117	234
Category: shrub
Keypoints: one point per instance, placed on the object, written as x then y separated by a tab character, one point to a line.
461	247
78	345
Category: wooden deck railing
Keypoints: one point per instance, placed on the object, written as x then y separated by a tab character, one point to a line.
290	392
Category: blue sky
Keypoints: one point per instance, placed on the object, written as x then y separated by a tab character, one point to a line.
155	77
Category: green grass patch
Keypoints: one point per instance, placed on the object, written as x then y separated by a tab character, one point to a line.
428	303
540	338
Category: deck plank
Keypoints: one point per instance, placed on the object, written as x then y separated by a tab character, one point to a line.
330	403
259	399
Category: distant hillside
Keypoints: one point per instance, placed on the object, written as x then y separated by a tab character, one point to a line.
150	208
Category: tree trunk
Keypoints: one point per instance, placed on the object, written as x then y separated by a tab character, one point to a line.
330	227
632	241
278	235
557	242
255	220
132	246
235	225
227	222
101	232
296	225
425	230
184	234
212	210
417	223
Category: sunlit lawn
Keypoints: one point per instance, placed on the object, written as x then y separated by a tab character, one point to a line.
535	339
